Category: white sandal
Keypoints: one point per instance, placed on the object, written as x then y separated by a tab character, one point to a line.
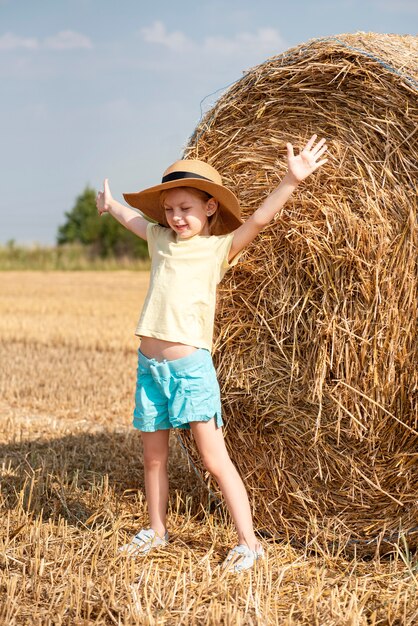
143	542
242	558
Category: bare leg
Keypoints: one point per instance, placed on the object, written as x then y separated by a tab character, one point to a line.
156	477
215	457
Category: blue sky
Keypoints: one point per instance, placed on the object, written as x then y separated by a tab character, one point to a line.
95	88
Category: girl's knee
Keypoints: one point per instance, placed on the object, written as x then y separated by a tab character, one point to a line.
216	465
154	462
155	459
155	449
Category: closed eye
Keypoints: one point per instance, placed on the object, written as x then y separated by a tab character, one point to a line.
183	209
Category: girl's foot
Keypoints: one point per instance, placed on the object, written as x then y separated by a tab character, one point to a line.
242	558
143	542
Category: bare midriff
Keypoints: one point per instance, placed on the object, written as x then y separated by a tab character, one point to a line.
159	349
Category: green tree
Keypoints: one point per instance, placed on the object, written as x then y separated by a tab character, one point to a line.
103	235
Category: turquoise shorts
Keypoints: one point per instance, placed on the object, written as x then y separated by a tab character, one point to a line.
171	394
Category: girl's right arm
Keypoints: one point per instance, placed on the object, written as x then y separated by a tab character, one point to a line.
131	219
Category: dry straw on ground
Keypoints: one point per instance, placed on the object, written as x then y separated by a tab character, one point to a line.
316	329
72	490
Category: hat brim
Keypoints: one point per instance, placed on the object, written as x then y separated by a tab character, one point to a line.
148	200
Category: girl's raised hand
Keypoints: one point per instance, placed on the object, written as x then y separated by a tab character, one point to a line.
104	198
302	165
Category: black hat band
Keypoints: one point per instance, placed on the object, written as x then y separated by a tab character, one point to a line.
181	175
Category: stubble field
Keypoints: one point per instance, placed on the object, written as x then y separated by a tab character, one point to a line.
72	490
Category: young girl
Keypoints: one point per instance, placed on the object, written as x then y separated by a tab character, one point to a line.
197	236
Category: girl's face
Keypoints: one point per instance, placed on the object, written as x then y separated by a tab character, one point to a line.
187	214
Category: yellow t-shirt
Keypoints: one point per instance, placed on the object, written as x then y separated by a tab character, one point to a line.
181	298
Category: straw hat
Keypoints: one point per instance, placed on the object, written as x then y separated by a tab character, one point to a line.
189	173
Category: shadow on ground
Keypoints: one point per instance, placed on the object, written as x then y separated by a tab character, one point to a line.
75	475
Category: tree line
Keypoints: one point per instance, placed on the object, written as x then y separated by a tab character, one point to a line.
104	236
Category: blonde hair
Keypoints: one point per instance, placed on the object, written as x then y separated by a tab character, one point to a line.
215	221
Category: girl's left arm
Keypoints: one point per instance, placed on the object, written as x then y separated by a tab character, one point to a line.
299	168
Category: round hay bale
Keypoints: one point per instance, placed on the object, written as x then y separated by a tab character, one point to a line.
316	344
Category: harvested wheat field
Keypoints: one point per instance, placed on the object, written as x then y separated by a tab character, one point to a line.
72	490
317	326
